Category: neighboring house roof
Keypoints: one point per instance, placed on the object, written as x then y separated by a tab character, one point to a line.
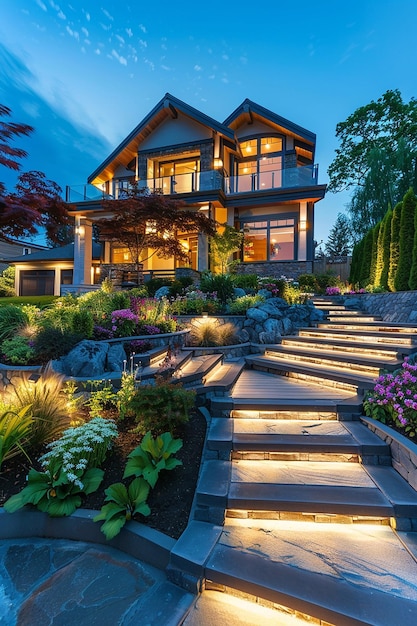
63	253
167	107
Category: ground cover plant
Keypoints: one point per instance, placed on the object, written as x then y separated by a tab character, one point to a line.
59	478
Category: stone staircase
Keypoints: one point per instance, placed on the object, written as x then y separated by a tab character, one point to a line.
298	504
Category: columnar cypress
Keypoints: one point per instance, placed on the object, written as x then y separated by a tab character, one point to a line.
412	282
374	253
379	255
394	249
386	240
366	260
355	262
405	258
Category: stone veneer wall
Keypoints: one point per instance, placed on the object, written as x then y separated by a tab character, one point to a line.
15	375
399	307
290	269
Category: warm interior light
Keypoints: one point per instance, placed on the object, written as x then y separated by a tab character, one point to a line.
248	148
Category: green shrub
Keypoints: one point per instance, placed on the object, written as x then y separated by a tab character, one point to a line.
242	304
245	281
153	284
83	323
52	343
162	407
7	282
16	350
221	284
308	282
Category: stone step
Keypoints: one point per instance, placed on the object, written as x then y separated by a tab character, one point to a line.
343	575
400	340
326	375
292	489
197	369
223	378
322	343
296	439
356	319
407	329
366	364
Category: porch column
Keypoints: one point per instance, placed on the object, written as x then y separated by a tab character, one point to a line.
302	232
83	251
202	257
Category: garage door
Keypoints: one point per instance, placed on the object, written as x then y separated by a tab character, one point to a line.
37	282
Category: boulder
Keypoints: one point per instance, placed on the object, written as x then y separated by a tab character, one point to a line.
239	292
271	309
87	359
257	314
265	293
162	292
274	327
115	356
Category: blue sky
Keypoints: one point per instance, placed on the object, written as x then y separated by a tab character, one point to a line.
85	72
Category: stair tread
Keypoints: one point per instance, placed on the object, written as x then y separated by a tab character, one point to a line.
350	357
363	576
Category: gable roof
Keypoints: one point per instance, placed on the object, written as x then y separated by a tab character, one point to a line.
248	111
63	253
167	107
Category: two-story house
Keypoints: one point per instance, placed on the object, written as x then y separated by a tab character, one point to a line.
254	171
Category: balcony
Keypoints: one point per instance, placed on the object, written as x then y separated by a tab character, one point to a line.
211	180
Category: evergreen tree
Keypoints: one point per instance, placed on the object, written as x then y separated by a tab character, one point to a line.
374	253
339	242
412	283
355	263
386	240
394	250
405	258
379	254
365	270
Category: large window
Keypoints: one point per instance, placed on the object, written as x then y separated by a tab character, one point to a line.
261	164
269	240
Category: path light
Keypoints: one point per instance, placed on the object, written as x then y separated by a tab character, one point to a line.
204	314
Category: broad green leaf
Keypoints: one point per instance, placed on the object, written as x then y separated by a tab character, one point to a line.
92	479
118	493
60	508
171	463
143	509
112	527
138	490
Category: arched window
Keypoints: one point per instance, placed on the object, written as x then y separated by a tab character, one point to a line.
261	164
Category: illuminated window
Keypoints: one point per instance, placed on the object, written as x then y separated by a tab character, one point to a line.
269	240
261	164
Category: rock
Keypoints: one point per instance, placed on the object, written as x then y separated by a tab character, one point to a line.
243	336
266	337
239	292
265	293
256	314
87	359
271	309
287	326
162	292
274	327
115	356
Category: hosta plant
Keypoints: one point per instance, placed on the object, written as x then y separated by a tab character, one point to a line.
152	456
122	504
70	469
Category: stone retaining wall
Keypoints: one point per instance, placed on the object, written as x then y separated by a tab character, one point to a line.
399	307
15	375
403	451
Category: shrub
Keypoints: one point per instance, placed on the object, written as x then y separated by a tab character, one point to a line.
308	282
242	304
83	323
221	284
52	343
162	407
209	333
123	504
17	350
123	322
226	334
245	281
153	284
7	281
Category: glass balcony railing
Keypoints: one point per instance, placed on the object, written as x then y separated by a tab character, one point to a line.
211	180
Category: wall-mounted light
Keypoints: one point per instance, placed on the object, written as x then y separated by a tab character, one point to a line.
303	224
218	163
80	230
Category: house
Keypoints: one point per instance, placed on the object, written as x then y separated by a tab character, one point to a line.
10	248
49	271
254	171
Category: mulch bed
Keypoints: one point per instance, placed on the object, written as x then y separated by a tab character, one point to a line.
171	499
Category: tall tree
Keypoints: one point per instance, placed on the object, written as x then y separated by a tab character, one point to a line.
377	158
339	242
36	202
405	258
386	241
394	249
148	225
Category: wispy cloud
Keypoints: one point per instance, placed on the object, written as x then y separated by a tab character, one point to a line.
129	32
150	63
73	33
118	57
85	31
143	28
120	38
41	5
197	68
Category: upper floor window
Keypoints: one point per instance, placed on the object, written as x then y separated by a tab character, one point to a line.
261	164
